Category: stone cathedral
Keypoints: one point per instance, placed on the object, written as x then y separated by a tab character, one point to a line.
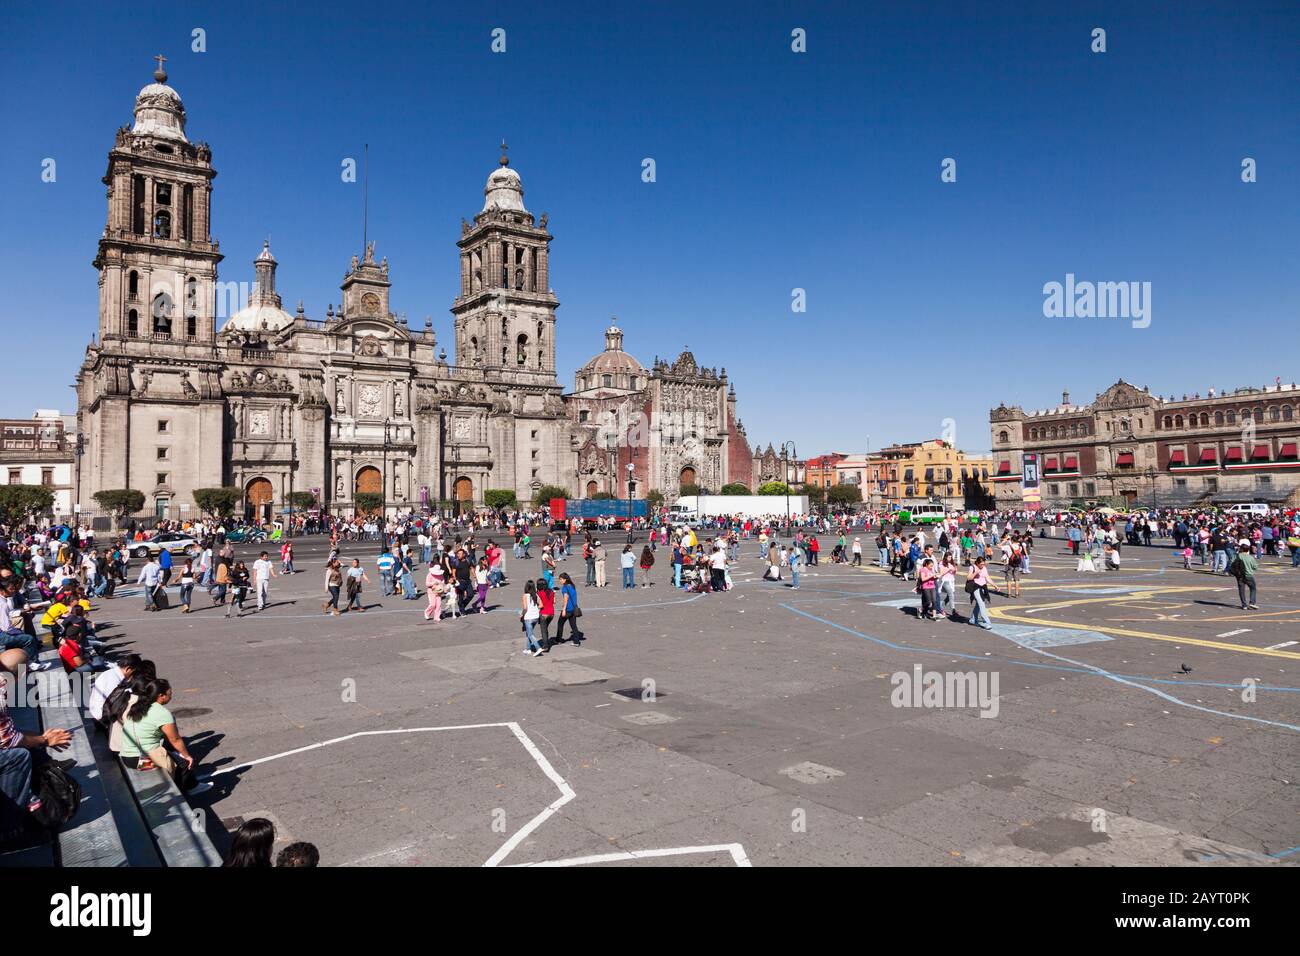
274	402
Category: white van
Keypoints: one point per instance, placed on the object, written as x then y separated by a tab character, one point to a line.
1254	508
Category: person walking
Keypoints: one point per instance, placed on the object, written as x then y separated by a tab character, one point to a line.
404	573
333	584
434	584
262	574
151	578
589	555
926	586
857	552
356	577
529	611
239	582
187	585
1243	568
386	563
977	583
795	560
546	599
568	611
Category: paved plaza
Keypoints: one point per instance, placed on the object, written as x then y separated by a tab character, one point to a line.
1139	717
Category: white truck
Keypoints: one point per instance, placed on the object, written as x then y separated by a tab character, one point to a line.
692	508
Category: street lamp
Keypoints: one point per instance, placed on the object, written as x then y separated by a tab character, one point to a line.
383	508
631	469
293	457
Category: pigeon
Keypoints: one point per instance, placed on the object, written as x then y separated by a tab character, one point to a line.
1184	668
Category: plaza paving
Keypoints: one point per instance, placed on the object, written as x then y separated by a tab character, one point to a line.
771	738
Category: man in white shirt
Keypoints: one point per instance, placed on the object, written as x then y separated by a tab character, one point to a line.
262	574
123	669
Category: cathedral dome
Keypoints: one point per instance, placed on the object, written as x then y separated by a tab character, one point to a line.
263	312
504	189
159	111
614	362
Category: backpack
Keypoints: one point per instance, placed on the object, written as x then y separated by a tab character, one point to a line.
60	796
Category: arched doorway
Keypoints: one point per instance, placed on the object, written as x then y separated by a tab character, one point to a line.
463	490
592	489
369	481
258	499
687	476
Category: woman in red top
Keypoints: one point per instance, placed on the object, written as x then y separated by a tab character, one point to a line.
813	549
546	598
71	655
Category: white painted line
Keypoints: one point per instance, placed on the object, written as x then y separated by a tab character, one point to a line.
736	851
1240	630
567	794
1278	647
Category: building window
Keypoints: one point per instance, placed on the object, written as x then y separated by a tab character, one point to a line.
162	478
163	425
1089	487
607	381
133	285
163	194
1211	484
47	476
1180	483
534	434
534	454
162	454
162	225
1002	436
1074	489
15	476
133	322
582	416
1264	481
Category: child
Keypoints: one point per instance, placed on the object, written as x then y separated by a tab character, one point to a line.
1187	557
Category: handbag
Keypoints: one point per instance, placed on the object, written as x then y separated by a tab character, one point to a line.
971	587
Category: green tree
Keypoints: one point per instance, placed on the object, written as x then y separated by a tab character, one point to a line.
655	498
816	495
120	502
735	488
368	501
844	495
218	501
691	489
774	488
302	500
544	494
603	496
19	502
499	498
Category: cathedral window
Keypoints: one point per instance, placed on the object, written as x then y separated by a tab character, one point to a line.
191	327
521	351
162	225
137	205
519	279
133	322
162	194
162	314
187	213
582	416
607	381
133	284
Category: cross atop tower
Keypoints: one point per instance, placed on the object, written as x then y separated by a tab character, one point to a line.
505	160
160	74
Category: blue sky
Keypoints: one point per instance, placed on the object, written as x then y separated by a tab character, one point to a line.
775	171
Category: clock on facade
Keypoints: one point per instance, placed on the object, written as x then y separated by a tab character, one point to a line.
370	304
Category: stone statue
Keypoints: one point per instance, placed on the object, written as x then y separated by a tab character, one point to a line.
339	404
338	486
398	403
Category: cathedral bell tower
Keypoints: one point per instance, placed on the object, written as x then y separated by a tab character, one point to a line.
505	313
157	262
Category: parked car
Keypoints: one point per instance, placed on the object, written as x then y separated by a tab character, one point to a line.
173	541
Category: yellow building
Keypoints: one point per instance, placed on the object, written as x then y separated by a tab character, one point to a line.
915	472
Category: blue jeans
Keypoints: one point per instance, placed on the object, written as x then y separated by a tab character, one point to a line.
15	786
408	587
528	631
979	612
386	582
884	557
1220	561
794	576
677	574
186	591
14	639
629	577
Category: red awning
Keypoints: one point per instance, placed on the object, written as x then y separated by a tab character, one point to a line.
1050	464
1124	458
1210	455
1259	451
1176	457
1071	462
1233	454
1004	468
1288	450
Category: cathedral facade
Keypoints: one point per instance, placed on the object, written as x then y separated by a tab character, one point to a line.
277	403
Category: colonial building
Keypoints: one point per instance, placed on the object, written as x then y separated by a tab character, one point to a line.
274	402
37	451
914	472
638	431
1217	448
